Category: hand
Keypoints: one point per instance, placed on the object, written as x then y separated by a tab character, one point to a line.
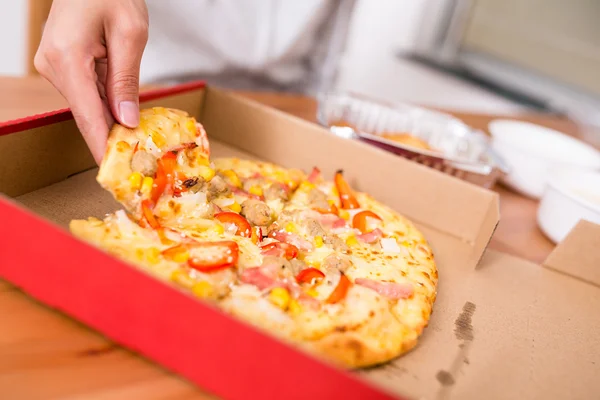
91	52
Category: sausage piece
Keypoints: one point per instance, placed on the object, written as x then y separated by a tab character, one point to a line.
337	243
276	191
144	163
313	227
318	199
256	212
216	187
334	263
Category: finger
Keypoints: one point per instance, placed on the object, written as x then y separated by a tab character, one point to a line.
80	90
125	46
101	72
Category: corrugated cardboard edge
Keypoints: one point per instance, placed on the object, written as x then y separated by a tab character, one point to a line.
578	255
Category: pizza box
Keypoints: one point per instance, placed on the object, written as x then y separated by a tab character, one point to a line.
501	328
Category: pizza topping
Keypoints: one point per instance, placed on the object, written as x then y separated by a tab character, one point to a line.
390	245
347	198
293	239
336	242
318	200
334	263
366	221
315	175
257	212
280	249
280	297
256	276
144	163
149	217
340	291
277	191
242	227
371	237
309	275
216	187
213	256
313	228
390	290
297	266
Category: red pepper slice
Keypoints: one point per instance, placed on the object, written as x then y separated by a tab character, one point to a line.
149	215
165	175
257	234
308	274
331	210
229	217
173	251
346	196
280	249
314	175
135	149
360	220
340	291
213	256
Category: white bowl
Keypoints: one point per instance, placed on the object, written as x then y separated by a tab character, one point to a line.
532	152
570	196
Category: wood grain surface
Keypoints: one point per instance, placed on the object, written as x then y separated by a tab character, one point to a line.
45	355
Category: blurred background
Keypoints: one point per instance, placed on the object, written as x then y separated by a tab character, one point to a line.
489	56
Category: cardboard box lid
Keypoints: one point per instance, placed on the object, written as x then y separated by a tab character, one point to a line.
509	329
579	253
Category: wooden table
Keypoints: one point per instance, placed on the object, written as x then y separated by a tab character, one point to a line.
46	355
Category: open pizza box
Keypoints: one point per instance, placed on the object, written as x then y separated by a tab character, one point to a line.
502	327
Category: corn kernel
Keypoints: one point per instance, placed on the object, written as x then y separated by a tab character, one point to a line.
203	161
352	241
206	172
406	244
181	257
344	214
280	297
182	278
256	190
235	207
135	180
146	188
202	289
306	186
190	125
122	146
312	292
295	308
318	241
158	139
232	178
218	229
139	254
152	255
290	227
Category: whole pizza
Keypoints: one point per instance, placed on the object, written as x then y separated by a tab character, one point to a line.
324	267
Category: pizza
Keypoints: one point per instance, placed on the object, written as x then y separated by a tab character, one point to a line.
305	257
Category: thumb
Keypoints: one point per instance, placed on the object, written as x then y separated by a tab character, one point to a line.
122	82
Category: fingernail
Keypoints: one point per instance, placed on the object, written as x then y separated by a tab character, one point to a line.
129	114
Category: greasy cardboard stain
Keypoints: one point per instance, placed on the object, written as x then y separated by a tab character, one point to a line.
445	378
463	328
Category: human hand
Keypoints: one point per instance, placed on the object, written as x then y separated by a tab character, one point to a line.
91	52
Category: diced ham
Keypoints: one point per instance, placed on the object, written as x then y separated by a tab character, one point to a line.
339	223
371	237
258	277
391	290
314	175
296	240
